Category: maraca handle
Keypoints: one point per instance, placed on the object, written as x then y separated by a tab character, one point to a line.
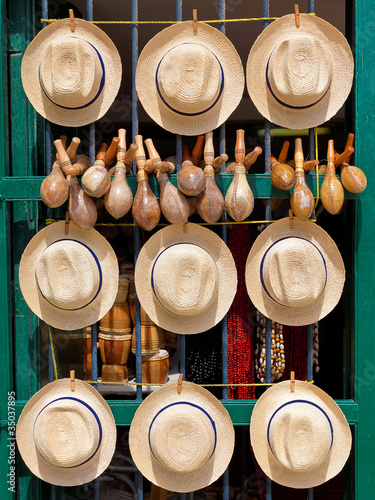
72	149
209	154
239	151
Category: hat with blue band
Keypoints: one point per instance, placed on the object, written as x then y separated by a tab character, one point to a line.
299	77
189	83
69	281
66	437
294	276
181	442
71	78
300	439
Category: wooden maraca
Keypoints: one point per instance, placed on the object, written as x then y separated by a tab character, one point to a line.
119	198
79	163
210	202
239	199
96	180
249	160
81	207
190	178
173	203
353	178
197	151
282	175
302	199
145	209
331	192
54	189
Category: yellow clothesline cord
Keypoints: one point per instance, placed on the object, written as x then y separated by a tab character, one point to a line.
202	385
317	166
53	353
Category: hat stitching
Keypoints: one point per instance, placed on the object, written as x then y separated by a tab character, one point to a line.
284	103
102	81
100	277
264	256
297	401
96	417
183	403
181	112
153	266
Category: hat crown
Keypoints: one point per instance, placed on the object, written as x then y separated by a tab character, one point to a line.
182	437
68	274
185	279
71	72
300	435
189	78
293	272
299	71
67	433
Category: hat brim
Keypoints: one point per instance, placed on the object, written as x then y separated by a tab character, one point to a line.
139	444
48	472
227	277
31	80
145	78
275	397
57	317
342	72
295	316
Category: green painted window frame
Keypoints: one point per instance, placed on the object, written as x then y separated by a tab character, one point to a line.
19	217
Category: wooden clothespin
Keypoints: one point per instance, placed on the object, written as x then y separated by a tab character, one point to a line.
71	17
195	21
72	380
296	14
291	219
292	382
66	227
186	227
179	383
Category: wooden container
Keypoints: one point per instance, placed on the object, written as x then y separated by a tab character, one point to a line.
118	318
149	340
155	368
114	351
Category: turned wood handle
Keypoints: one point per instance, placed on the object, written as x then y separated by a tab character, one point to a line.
131	153
101	152
64	140
251	157
121	148
310	164
209	154
274	160
185	153
64	159
283	156
349	141
169	166
298	155
196	154
152	153
219	161
239	151
140	157
72	149
330	154
149	166
73	170
344	157
110	154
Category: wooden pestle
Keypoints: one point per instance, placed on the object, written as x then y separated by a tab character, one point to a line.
302	199
173	203
239	199
145	209
119	198
210	202
331	192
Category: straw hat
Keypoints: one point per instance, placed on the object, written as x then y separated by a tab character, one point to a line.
300	439
181	442
64	437
299	77
69	281
185	281
71	78
294	276
189	83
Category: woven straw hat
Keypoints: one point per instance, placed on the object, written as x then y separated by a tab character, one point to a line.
189	84
71	78
294	276
185	281
299	77
64	437
300	439
69	281
181	442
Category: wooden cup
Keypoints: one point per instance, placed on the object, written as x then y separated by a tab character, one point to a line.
155	368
